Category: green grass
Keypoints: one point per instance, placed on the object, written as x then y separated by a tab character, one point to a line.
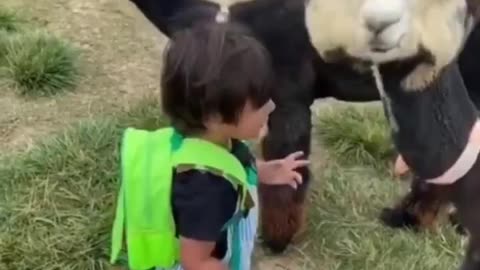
4	39
10	20
357	136
57	199
345	233
40	64
34	62
57	203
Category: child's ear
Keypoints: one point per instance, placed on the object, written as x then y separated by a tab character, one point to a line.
213	122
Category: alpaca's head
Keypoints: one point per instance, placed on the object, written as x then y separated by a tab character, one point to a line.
382	31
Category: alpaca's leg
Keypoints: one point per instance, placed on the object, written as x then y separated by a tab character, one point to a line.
468	215
467	203
282	208
419	208
282	216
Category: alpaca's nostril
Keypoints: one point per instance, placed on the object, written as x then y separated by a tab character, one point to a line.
378	15
376	26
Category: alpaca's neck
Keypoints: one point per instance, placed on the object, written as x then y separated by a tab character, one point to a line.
431	127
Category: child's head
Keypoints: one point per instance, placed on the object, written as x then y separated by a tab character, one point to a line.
217	77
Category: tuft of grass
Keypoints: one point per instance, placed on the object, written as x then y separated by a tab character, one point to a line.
357	136
344	231
4	39
9	20
57	200
39	64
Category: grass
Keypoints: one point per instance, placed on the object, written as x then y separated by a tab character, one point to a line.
345	233
355	185
39	64
10	21
57	203
357	136
58	198
4	38
34	62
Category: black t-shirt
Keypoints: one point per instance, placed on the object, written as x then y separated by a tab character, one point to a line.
203	202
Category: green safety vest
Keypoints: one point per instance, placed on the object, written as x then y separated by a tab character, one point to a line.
144	214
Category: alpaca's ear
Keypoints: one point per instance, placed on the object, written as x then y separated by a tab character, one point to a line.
172	15
160	12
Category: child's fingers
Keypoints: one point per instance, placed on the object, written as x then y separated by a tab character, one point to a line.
297	180
293	184
300	163
295	155
297	177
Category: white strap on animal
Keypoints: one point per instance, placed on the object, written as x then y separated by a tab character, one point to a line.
385	98
223	14
378	80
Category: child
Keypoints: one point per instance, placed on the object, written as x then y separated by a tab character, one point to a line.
189	191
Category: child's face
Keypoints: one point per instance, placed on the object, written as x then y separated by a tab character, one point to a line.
252	122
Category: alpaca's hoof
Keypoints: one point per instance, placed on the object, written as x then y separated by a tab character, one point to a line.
398	218
276	247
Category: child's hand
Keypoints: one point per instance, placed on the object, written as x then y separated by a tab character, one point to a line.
282	171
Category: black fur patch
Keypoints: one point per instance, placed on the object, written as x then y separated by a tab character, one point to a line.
399	218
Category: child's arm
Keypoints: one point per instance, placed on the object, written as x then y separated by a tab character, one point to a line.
196	255
281	171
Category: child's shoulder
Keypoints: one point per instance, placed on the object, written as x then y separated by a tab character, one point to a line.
197	181
196	191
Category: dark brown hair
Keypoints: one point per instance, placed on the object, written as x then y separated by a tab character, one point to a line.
213	69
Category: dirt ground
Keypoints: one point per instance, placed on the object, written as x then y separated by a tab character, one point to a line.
121	53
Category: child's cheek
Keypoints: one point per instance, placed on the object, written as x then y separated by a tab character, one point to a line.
263	131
